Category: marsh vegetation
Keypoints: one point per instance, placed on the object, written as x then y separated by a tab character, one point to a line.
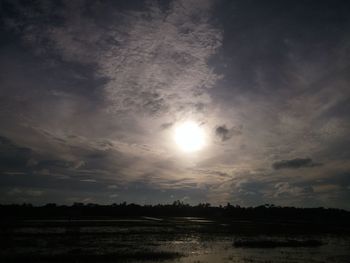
184	239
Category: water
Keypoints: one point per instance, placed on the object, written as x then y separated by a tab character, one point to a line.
187	240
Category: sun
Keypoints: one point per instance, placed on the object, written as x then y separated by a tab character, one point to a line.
189	136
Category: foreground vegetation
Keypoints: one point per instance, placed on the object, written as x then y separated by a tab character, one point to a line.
268	243
31	236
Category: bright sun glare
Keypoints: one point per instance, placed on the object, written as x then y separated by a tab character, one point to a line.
189	136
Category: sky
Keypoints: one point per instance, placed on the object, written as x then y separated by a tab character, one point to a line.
92	92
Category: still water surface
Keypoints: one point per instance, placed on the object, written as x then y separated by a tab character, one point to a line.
187	240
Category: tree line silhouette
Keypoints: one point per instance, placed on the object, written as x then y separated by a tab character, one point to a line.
267	212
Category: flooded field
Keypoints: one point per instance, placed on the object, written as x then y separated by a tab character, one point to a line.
185	239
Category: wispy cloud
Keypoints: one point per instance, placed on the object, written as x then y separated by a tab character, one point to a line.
295	163
154	61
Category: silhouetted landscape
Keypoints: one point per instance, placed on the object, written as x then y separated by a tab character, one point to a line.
267	212
131	232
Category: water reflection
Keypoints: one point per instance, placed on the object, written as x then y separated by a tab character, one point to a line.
185	240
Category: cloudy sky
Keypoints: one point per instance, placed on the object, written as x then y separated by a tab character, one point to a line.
92	92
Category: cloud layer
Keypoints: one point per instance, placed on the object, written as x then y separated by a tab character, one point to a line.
91	93
294	163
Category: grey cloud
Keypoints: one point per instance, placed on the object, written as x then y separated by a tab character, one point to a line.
157	61
286	189
12	156
112	186
246	191
163	60
55	164
21	161
25	192
341	179
248	186
213	173
225	133
88	180
295	163
166	125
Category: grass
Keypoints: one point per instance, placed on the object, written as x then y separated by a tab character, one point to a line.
80	257
267	243
124	241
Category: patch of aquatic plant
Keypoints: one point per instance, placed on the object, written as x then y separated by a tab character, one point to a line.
269	243
83	257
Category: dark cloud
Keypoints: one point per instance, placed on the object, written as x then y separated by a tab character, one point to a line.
15	159
12	156
287	29
166	125
295	163
222	132
54	164
213	173
342	179
225	133
286	189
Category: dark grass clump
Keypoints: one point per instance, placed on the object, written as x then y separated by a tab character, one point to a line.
263	243
110	257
